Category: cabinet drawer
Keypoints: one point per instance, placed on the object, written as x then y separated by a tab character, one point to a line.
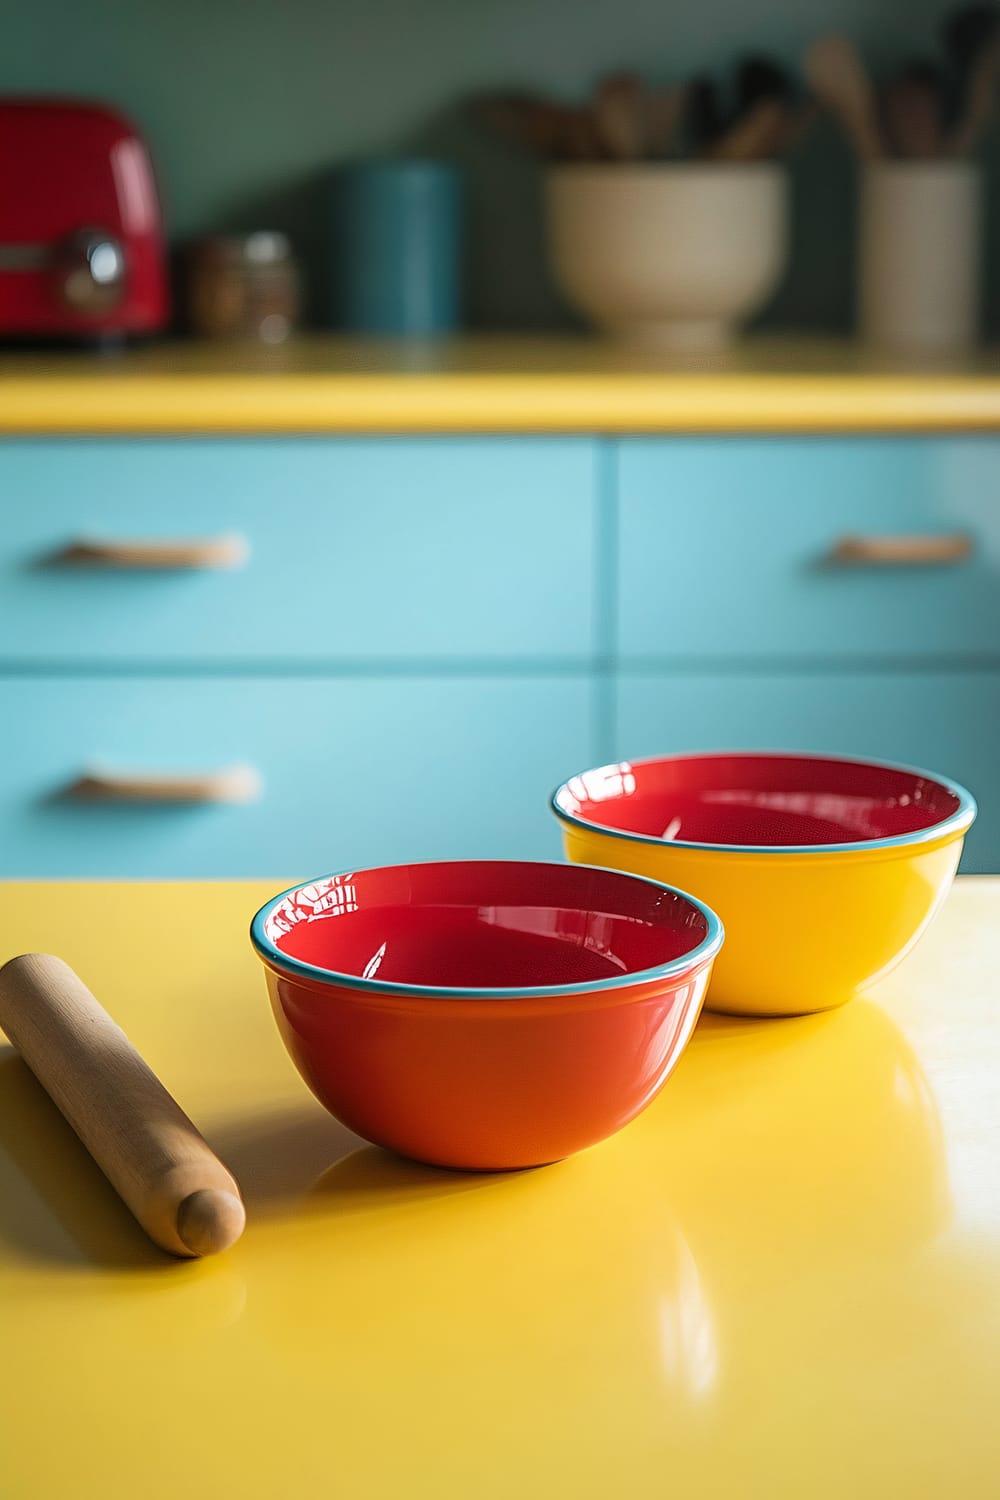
945	722
353	772
356	549
728	548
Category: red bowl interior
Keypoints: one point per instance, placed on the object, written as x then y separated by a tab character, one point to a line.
484	925
758	800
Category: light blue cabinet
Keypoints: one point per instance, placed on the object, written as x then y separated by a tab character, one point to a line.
428	634
737	624
356	550
728	547
352	772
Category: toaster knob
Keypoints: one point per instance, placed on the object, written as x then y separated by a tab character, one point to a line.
89	269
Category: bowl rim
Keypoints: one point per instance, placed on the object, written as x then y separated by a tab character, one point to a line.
957	822
274	958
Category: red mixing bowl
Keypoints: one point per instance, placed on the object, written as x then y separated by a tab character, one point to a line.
485	1014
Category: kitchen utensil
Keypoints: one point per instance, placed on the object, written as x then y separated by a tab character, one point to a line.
704	118
620	109
919	249
838	78
81	239
759	78
485	1015
397	248
755	135
912	109
554	132
665	255
825	870
178	1190
966	33
664	114
979	101
760	122
798	121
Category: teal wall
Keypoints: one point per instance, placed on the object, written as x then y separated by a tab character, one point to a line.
247	102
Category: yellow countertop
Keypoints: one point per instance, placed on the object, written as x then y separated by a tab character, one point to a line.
493	384
781	1281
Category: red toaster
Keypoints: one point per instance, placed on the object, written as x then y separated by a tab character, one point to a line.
82	249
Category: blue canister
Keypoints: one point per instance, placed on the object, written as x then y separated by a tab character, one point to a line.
397	248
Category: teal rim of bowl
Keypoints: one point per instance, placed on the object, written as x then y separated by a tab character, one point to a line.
958	822
676	967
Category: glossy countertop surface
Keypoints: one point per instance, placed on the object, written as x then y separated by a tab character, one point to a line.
783	1280
492	384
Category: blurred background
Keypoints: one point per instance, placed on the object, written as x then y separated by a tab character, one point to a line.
247	106
404	407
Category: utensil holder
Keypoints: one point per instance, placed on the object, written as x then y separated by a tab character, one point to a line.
919	256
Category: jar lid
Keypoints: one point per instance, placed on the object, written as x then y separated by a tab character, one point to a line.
264	247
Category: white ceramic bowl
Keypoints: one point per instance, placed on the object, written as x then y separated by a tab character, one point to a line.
674	254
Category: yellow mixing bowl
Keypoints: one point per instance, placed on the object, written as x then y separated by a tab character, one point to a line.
825	871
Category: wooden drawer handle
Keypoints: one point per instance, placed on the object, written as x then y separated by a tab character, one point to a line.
902	551
165	554
232	784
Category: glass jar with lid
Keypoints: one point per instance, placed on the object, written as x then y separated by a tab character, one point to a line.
244	286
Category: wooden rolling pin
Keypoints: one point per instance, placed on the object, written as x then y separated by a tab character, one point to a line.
139	1136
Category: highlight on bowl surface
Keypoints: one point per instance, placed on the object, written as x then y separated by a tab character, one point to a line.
825	869
485	1014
